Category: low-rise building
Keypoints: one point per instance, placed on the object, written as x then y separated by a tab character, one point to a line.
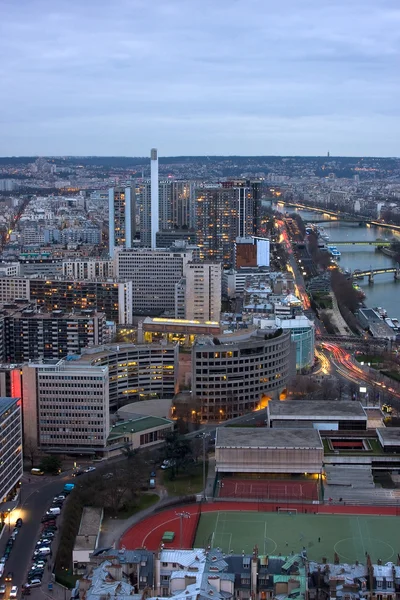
87	540
140	432
332	416
264	450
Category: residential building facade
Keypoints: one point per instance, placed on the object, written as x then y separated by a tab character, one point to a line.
11	466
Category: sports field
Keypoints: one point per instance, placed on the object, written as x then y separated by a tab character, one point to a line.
322	535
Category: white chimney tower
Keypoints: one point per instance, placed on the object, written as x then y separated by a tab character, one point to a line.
154	196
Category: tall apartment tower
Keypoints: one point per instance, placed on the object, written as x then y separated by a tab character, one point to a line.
223	213
121	214
154	196
203	291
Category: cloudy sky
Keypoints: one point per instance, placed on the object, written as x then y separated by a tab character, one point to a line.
117	77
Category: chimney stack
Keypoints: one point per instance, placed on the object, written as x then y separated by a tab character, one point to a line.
154	196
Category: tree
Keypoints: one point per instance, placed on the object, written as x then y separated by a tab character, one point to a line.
30	450
178	451
50	464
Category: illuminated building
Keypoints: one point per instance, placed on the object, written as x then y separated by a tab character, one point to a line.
182	331
111	296
240	373
121	215
89	268
202	291
222	214
30	335
11	466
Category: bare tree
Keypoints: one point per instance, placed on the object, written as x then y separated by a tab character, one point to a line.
30	450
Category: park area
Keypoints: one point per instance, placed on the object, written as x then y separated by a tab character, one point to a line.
350	536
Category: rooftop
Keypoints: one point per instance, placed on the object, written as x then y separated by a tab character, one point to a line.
389	436
316	409
140	423
6	404
245	437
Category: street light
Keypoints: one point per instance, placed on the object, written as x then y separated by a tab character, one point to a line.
182	515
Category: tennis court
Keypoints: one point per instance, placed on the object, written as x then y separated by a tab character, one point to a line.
268	489
350	536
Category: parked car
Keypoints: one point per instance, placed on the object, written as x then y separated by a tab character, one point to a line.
35	582
54	511
2	589
48	518
19	522
77	473
2	569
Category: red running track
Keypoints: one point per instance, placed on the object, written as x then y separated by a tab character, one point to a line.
268	489
148	533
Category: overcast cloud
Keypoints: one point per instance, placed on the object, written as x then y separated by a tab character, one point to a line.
117	77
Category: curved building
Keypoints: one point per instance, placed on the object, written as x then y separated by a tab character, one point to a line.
236	374
136	372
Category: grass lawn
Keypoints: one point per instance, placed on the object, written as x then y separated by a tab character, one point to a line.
322	535
184	483
145	501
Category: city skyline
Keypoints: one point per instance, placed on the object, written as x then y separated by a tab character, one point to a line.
198	78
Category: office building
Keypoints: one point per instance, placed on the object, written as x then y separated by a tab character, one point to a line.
154	274
122	224
302	331
137	372
235	374
202	287
111	296
251	252
11	466
66	406
182	204
89	268
33	335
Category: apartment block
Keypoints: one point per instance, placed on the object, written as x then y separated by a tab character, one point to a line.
33	335
111	296
11	467
121	214
202	291
90	268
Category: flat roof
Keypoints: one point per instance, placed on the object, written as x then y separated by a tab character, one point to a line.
265	437
6	403
316	409
389	436
137	424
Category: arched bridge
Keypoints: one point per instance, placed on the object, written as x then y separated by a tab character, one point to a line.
370	273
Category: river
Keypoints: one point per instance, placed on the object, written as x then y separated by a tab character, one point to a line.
385	291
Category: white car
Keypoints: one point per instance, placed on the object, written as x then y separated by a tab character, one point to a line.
14	591
35	583
1	569
90	469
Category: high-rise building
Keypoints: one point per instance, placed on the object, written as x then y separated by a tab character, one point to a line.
182	204
202	285
121	214
154	274
11	466
33	335
223	213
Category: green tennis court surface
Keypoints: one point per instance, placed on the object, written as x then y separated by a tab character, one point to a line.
350	536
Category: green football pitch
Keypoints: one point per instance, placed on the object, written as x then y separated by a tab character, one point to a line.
350	536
